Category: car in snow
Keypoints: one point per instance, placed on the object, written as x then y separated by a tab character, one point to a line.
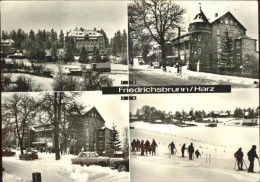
90	158
28	155
156	65
120	164
7	152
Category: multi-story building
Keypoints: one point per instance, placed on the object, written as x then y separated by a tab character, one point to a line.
200	48
7	46
90	39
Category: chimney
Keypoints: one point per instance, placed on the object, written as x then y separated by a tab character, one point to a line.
216	14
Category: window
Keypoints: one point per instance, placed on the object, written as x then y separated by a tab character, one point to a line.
239	33
92	155
199	37
238	57
199	50
226	21
100	133
231	33
238	44
236	23
221	21
101	146
231	22
218	31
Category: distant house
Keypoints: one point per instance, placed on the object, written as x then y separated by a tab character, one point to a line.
190	118
89	39
43	136
7	46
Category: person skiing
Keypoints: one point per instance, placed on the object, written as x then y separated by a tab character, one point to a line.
183	148
142	147
172	145
239	156
133	145
251	157
153	147
197	153
147	146
138	145
191	151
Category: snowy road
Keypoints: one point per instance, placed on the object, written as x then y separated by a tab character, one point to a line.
55	171
156	77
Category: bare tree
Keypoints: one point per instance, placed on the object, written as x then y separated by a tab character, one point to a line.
19	109
159	18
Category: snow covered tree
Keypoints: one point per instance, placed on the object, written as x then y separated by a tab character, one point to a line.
227	49
114	143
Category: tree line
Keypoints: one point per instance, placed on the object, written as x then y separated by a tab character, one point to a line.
151	113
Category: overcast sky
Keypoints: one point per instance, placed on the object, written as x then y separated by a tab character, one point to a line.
246	12
66	15
243	98
110	15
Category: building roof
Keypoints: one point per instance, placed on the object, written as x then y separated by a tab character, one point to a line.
88	109
200	17
223	14
81	33
7	41
245	37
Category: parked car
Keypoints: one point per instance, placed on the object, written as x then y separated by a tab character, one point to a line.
120	164
90	158
7	152
29	155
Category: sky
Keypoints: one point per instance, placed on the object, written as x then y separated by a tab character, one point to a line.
243	98
110	15
246	12
66	15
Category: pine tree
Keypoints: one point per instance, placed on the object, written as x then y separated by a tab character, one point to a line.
114	141
226	49
61	39
84	55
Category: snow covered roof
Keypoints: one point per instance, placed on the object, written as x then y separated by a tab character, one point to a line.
81	33
7	41
86	110
200	17
223	14
245	37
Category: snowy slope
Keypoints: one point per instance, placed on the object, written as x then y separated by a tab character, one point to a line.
220	142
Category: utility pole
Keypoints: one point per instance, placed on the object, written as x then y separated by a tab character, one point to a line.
179	58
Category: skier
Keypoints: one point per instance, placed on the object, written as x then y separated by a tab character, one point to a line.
239	156
183	148
191	151
147	146
172	145
197	153
133	145
251	157
142	147
153	147
138	145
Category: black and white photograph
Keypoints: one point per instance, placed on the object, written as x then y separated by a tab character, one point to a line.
63	45
195	137
193	42
64	136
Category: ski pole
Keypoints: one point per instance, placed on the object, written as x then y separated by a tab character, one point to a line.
245	164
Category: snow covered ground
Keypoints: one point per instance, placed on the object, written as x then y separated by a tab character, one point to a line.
57	171
118	73
203	77
220	143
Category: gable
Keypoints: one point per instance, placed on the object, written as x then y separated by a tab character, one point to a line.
227	16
